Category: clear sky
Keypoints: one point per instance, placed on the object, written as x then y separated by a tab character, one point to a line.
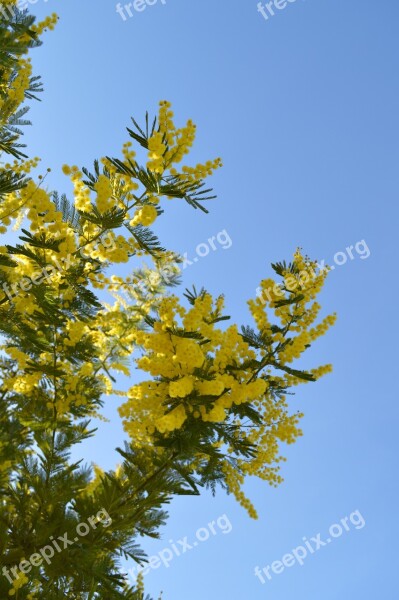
302	107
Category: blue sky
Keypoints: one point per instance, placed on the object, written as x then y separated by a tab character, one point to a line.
303	110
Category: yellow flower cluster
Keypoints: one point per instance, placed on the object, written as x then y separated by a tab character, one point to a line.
76	330
234	481
15	79
103	188
203	372
176	359
129	155
16	94
81	192
181	388
48	22
24	166
156	151
199	171
144	216
169	145
18	583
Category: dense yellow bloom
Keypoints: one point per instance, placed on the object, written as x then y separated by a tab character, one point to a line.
103	188
203	372
181	388
144	216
